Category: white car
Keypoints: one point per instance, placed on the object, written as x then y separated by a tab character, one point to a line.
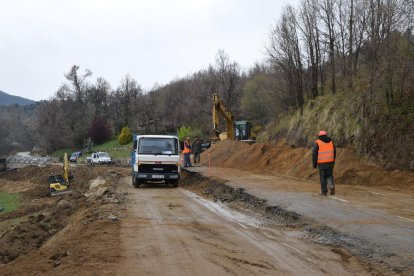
100	158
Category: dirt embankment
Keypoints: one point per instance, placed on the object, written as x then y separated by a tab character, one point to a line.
65	234
350	167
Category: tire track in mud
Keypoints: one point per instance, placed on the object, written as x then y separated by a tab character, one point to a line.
376	259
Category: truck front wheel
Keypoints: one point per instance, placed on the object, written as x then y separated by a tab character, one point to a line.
174	183
136	183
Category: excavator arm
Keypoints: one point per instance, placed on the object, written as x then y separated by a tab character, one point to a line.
66	167
220	109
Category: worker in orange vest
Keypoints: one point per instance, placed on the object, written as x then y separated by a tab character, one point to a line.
187	152
323	157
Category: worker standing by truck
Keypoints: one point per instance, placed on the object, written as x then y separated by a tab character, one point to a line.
196	150
187	152
323	157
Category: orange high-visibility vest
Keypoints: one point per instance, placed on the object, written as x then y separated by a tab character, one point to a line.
186	147
325	152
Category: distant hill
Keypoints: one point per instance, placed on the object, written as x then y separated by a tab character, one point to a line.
6	99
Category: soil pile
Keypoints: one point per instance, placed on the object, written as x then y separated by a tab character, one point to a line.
62	234
282	159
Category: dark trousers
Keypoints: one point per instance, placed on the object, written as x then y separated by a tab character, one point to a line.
196	157
187	161
326	177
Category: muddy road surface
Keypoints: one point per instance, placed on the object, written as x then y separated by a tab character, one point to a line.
206	226
374	223
177	232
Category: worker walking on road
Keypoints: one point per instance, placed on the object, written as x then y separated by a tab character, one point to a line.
187	152
323	157
196	150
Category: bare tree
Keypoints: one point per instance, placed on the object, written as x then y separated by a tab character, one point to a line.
228	75
284	53
98	96
327	15
78	82
309	27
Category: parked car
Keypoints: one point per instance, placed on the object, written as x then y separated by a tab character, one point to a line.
205	146
100	158
75	156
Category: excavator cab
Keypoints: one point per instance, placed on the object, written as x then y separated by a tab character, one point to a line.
236	130
243	130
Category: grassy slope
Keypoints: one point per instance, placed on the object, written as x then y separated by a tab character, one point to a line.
114	149
335	114
9	201
379	136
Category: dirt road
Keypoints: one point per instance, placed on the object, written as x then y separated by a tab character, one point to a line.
176	232
247	224
373	222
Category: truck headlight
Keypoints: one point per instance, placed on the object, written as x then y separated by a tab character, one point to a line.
140	175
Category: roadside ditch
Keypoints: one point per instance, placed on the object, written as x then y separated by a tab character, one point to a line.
375	259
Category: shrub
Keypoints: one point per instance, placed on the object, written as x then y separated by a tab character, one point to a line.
125	136
184	132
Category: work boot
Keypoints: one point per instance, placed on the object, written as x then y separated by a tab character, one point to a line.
323	194
332	190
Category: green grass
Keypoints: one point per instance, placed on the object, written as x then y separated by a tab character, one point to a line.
61	152
9	201
114	149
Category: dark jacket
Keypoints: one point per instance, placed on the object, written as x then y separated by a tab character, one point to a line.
197	146
315	150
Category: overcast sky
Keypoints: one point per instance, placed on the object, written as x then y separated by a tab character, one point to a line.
153	41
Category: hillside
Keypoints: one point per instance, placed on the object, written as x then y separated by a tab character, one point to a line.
17	128
281	159
7	99
387	136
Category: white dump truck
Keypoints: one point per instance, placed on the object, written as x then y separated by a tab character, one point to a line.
155	159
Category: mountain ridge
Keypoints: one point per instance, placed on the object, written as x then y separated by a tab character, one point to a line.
7	99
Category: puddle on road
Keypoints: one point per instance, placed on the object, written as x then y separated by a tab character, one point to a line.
224	211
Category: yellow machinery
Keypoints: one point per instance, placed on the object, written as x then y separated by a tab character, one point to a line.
240	130
59	184
220	109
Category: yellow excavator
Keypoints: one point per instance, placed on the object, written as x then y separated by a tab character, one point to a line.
59	184
240	130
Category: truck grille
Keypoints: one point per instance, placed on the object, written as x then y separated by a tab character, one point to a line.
157	168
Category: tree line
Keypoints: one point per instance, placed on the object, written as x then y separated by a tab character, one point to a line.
326	45
361	48
82	109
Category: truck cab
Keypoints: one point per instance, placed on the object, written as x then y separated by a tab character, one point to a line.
156	159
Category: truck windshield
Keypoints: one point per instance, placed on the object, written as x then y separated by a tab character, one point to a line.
161	146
